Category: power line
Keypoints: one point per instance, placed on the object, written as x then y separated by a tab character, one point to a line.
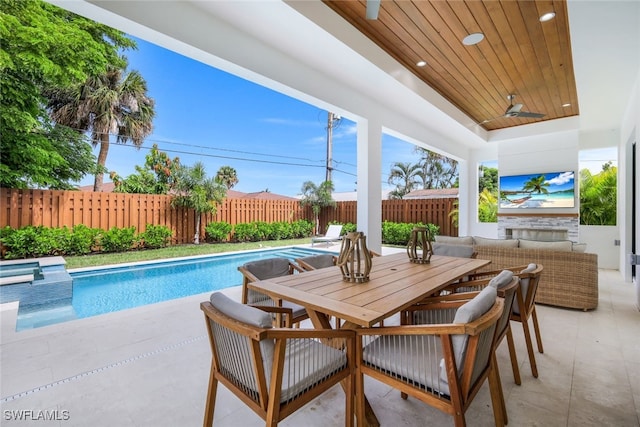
206	148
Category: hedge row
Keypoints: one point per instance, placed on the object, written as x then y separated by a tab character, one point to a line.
257	231
394	233
32	242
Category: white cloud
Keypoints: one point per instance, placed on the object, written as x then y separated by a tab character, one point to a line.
563	178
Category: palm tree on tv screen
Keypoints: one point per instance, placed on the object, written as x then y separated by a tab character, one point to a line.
536	185
110	103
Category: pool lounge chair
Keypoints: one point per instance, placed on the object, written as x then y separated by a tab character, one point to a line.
332	235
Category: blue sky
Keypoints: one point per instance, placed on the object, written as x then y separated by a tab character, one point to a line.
273	141
558	181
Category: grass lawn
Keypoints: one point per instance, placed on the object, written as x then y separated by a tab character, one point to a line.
173	252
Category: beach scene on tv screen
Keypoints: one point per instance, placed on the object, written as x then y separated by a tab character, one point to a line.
538	190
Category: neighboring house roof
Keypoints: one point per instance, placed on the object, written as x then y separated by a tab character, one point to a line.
260	195
107	187
439	193
348	196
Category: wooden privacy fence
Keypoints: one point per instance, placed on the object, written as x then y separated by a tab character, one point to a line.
435	211
56	208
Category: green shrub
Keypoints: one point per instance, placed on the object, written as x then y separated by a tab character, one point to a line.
301	228
243	232
217	231
155	236
118	239
261	231
398	233
280	230
83	240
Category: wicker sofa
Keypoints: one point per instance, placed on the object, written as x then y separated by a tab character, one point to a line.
569	279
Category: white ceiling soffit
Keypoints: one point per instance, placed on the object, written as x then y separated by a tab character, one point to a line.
290	41
605	42
308	35
319	38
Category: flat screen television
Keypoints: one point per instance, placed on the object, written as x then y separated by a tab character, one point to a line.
538	190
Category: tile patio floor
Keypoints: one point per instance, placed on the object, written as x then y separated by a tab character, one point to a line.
149	366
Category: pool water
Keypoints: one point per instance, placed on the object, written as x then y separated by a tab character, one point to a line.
106	290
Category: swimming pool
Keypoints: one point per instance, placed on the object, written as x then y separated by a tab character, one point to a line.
105	290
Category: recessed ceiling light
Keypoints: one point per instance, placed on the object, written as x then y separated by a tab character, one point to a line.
472	39
421	63
566	105
547	16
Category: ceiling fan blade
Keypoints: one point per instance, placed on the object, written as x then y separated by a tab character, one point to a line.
516	108
373	7
529	114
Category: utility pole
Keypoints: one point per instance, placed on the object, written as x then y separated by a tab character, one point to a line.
331	120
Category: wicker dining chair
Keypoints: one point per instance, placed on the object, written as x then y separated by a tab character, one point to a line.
268	269
274	371
444	363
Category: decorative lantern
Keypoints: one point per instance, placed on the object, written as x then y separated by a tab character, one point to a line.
419	247
354	259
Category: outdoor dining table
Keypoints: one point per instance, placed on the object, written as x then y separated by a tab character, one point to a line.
395	283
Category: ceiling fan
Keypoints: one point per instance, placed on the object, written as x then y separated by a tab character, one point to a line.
515	110
373	7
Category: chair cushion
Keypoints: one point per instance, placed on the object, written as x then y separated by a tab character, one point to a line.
319	261
268	268
460	251
241	367
524	286
415	358
298	310
502	279
243	313
468	312
307	362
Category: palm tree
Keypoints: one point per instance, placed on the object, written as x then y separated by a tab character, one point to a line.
487	206
536	185
404	177
227	176
195	191
598	195
317	197
438	171
110	103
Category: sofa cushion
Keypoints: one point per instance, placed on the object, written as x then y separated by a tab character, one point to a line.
564	245
451	240
460	251
504	243
579	247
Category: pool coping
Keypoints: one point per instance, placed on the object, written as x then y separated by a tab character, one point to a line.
9	310
194	257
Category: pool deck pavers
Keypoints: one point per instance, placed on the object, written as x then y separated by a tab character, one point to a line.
149	366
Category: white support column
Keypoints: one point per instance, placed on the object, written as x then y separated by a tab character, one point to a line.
369	159
467	177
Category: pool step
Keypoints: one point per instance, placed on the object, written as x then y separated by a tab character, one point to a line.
50	283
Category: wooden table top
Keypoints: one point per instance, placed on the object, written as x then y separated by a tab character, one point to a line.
395	283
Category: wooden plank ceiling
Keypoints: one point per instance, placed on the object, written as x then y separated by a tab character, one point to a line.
519	54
